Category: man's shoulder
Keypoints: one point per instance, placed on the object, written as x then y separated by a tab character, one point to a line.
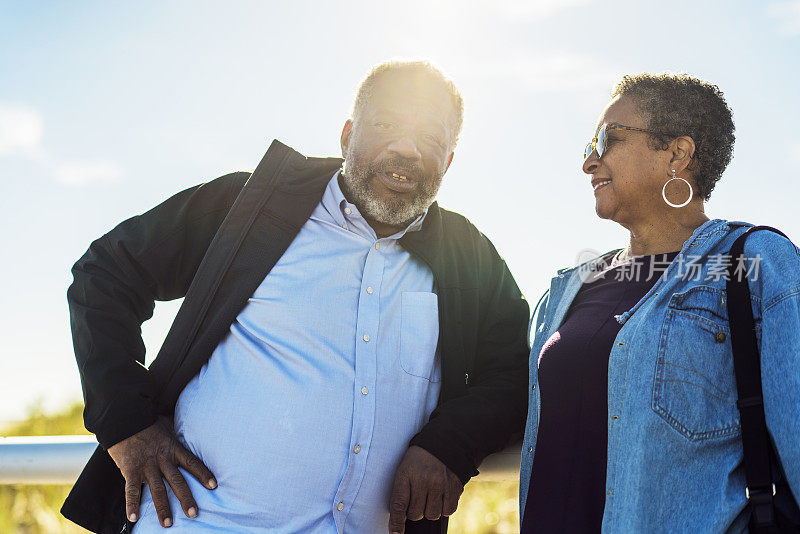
220	187
464	243
233	180
456	223
458	227
288	170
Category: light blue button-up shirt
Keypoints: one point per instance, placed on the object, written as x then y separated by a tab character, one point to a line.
306	407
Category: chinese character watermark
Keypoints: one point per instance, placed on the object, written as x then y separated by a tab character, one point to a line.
691	268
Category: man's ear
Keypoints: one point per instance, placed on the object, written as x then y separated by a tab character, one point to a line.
347	130
449	161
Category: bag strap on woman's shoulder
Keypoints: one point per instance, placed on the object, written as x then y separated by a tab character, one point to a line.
756	444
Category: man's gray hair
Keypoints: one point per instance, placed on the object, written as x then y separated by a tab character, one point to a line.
412	67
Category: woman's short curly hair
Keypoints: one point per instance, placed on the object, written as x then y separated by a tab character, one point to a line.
679	104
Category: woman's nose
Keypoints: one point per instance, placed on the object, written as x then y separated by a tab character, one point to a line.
591	163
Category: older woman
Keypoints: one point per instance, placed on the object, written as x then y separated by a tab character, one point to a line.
633	423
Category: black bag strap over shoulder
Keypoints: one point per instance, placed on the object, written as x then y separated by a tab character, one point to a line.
759	457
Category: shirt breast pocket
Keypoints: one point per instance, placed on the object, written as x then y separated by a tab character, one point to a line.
695	386
419	334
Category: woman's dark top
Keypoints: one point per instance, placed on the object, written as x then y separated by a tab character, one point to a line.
567	490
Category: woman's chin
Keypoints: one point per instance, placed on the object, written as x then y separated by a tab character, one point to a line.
604	212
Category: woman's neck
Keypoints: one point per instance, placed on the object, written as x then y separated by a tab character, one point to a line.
663	234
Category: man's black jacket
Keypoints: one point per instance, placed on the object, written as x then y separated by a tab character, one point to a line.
213	244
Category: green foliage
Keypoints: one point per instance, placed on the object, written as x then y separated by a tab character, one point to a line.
484	508
487	508
67	422
34	509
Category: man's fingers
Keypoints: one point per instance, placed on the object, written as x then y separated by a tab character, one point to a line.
133	496
180	488
160	499
190	462
451	496
398	506
433	505
416	503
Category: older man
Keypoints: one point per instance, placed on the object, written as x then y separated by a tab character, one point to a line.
346	354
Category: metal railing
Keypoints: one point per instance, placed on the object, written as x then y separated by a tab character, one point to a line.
59	460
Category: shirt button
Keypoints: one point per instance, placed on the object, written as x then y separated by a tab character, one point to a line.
721	337
347	211
377	246
340	506
614	417
609	492
530	449
364	390
344	226
366	337
533	387
369	290
356	449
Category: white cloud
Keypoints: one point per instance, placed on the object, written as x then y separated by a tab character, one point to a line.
795	150
788	16
532	9
79	173
557	72
21	130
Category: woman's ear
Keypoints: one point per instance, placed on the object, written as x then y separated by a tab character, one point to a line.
682	152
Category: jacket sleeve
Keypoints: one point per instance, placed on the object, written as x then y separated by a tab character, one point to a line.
149	257
464	430
779	278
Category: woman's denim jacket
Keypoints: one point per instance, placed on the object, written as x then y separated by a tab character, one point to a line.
674	444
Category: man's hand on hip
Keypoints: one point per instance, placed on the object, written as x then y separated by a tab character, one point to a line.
423	487
149	457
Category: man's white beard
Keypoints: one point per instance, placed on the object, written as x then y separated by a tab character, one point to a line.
358	180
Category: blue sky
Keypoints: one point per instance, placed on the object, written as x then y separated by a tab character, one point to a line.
106	108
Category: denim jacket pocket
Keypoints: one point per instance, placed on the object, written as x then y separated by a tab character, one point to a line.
419	335
695	387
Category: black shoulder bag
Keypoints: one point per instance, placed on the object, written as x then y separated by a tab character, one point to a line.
773	509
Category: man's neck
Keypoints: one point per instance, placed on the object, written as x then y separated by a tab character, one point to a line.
382	229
